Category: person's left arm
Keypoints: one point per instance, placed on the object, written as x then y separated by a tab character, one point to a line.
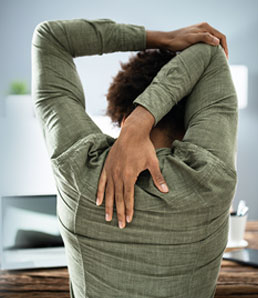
133	151
56	87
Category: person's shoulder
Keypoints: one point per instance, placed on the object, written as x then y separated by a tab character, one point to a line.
81	164
202	163
196	156
208	175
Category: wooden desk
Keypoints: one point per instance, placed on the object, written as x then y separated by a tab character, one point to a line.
234	280
238	280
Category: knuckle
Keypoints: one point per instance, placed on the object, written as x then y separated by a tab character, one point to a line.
155	166
116	173
109	202
128	173
129	182
160	179
129	211
203	24
128	194
119	197
100	191
108	210
129	202
154	162
101	183
128	199
120	215
109	193
207	36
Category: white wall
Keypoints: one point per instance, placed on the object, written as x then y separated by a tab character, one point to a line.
25	165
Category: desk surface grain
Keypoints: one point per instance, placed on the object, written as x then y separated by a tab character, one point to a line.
234	280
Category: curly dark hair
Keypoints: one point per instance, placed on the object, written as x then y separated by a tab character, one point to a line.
131	81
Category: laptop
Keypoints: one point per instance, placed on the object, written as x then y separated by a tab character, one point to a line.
29	234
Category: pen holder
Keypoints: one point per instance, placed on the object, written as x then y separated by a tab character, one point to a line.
237	225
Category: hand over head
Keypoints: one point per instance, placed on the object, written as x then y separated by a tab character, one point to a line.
180	39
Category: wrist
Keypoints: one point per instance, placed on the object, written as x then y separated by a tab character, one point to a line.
155	39
140	121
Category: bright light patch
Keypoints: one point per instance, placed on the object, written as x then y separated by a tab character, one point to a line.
240	79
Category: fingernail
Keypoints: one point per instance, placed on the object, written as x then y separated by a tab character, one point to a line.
164	187
121	225
128	218
107	216
98	201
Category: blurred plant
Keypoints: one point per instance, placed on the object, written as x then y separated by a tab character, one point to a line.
18	87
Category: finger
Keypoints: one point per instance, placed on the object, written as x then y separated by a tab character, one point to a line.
109	199
219	35
129	198
222	38
208	38
157	177
120	206
101	187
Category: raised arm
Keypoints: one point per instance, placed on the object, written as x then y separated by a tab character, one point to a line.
56	87
200	72
211	109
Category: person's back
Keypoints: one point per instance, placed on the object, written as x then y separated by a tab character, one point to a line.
174	245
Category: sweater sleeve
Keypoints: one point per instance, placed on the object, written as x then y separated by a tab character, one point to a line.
56	87
201	73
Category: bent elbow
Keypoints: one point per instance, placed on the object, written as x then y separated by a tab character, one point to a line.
40	33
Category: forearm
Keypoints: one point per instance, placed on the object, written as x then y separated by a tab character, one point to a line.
175	80
81	37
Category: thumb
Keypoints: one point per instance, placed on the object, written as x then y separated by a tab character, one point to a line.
158	179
